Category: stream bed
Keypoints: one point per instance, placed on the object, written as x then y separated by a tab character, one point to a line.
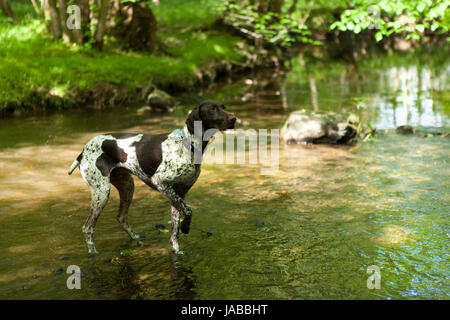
310	231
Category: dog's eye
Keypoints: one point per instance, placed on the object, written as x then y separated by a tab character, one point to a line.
223	107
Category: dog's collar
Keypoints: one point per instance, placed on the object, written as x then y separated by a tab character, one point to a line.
188	138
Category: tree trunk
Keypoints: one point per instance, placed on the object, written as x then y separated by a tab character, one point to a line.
85	21
7	10
138	27
66	33
101	25
292	7
36	8
52	18
275	6
264	6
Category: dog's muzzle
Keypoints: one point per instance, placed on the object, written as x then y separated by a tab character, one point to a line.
232	123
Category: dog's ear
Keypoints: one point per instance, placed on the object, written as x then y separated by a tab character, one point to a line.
193	116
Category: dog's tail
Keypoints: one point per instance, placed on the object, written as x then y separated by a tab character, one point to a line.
75	164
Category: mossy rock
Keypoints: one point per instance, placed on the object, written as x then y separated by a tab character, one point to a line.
317	128
405	130
160	100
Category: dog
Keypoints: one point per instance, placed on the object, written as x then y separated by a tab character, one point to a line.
165	162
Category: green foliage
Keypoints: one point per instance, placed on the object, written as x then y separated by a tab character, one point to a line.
30	59
410	17
176	13
364	130
274	28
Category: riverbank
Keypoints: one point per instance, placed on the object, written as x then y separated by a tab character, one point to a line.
381	203
39	73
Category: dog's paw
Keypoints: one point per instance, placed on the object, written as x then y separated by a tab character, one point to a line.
177	251
137	237
185	225
93	253
185	228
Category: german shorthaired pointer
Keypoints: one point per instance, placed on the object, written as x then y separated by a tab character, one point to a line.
168	163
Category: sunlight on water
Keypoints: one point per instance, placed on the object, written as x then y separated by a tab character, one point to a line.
309	231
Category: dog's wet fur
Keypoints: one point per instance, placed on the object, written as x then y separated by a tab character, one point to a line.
162	161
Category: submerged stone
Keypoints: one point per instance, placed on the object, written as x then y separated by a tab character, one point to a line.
160	100
328	128
210	233
258	222
405	130
160	226
58	271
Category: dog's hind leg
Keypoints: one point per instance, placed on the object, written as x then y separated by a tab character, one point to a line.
123	181
100	194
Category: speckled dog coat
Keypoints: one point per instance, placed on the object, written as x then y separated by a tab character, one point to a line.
105	156
169	163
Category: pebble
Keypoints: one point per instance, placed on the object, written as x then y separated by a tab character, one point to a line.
211	233
58	271
258	222
404	130
64	258
160	226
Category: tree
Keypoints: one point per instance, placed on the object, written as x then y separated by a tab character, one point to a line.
409	17
52	18
132	22
264	6
101	25
264	21
7	10
137	27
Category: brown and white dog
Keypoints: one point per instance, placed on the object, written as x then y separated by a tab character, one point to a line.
167	163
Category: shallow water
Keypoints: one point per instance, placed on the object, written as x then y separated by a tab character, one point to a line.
309	231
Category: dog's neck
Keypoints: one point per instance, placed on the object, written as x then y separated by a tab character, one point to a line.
189	139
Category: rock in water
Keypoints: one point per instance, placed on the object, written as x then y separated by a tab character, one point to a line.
258	222
158	99
303	127
160	226
405	130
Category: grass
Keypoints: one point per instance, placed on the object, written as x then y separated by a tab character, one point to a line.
181	13
30	59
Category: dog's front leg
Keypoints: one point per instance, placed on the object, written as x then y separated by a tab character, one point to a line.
180	205
175	229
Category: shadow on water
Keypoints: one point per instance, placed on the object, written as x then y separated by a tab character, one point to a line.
310	231
132	278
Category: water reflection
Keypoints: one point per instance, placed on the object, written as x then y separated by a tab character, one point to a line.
308	232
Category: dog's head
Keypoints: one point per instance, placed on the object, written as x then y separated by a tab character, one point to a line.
212	115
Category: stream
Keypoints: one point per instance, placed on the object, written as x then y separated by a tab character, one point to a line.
310	231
